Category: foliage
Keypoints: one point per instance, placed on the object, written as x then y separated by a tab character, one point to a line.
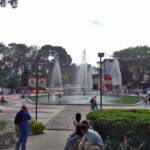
134	61
13	3
35	128
132	126
17	61
3	125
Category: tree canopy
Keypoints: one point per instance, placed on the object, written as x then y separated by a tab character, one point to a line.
17	61
13	3
134	63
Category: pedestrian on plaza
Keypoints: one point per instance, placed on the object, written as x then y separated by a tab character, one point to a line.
92	103
95	103
75	136
93	139
2	100
21	119
146	101
149	100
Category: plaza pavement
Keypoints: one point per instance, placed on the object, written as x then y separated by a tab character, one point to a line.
58	120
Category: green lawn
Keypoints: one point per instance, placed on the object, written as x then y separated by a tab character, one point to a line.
3	125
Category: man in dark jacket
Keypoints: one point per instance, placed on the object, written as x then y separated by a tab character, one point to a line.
24	116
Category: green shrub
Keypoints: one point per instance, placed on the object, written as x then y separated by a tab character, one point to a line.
132	124
35	128
17	130
3	125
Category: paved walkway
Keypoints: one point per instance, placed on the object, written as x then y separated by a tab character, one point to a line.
58	120
64	119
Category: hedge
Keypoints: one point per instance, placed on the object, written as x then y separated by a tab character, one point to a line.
125	128
35	128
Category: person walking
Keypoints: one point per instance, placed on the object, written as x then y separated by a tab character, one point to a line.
21	119
92	103
95	103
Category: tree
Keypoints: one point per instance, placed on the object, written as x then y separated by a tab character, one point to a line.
134	63
14	58
58	53
13	3
4	74
17	61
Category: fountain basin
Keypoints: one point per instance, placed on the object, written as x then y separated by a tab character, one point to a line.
82	99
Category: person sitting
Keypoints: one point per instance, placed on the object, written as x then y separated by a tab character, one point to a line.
77	143
93	140
74	137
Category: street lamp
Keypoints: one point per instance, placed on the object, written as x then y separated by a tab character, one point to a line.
37	80
38	67
100	55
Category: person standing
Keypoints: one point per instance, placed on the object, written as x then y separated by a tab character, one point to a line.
2	99
146	101
95	103
23	116
92	103
93	139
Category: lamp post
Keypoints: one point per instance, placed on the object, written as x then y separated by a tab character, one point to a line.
38	67
100	55
37	86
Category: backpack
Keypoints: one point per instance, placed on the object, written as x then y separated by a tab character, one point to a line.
18	118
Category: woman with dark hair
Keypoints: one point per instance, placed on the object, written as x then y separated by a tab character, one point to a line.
77	134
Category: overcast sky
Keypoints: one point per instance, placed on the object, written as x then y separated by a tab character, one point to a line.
94	25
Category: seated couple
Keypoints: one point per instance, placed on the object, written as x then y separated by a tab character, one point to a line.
84	137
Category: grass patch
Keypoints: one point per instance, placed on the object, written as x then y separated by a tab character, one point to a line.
3	125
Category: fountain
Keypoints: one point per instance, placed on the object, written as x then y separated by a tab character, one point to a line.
116	74
56	78
84	76
84	84
90	71
53	97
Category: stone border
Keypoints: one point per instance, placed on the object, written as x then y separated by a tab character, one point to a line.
8	136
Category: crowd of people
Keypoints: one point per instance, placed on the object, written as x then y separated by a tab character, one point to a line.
84	137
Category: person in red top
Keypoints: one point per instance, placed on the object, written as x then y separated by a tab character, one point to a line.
2	99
